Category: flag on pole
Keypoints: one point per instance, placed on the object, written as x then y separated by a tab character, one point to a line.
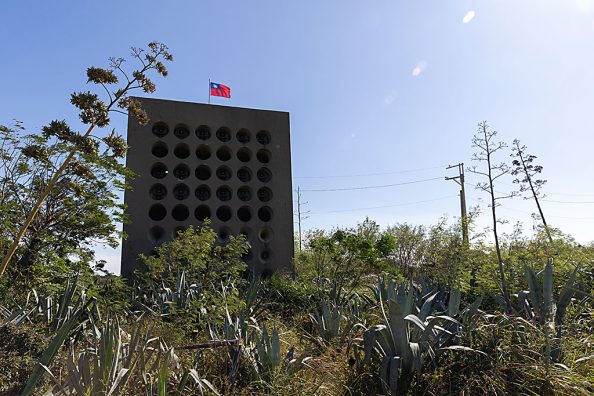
217	89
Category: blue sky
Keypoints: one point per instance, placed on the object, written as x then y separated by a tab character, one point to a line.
382	87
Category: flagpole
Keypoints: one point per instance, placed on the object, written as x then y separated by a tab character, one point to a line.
209	91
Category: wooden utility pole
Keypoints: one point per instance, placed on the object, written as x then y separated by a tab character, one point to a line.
463	216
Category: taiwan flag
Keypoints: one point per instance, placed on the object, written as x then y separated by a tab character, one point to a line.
217	89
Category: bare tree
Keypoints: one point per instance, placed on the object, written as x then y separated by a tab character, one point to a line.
523	166
486	145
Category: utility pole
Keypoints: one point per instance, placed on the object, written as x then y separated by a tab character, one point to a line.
300	216
463	216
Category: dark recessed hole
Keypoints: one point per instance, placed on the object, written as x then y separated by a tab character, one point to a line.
244	193
159	170
224	154
248	256
156	233
180	212
224	134
244	213
263	137
264	175
160	129
265	255
265	214
157	212
224	213
181	191
263	156
223	173
203	132
160	149
264	194
243	136
202	213
244	174
203	152
224	234
181	171
203	192
203	172
265	235
158	192
182	151
224	193
244	154
246	232
181	131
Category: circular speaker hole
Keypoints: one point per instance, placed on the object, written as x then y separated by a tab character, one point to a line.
224	234
159	170
264	175
203	192
224	213
244	193
203	132
223	173
264	194
265	255
181	131
181	191
182	151
244	213
202	212
224	134
180	212
244	174
160	150
263	137
224	154
224	193
265	214
160	129
181	172
158	192
203	152
263	156
203	172
265	235
244	154
243	136
156	233
157	212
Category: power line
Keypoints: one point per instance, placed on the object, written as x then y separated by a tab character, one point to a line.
568	202
371	187
370	174
385	206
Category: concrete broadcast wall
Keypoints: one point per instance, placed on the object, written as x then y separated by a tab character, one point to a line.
193	161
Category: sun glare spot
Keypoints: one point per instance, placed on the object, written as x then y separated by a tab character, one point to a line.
419	68
469	16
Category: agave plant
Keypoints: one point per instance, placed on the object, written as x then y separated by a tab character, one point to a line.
539	304
117	358
408	333
268	357
333	324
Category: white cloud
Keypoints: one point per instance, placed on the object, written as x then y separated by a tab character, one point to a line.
419	68
469	16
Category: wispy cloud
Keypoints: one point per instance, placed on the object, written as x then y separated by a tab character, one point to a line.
469	16
419	68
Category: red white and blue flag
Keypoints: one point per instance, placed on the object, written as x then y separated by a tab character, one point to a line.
217	89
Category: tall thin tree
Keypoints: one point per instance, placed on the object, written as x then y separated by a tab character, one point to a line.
486	145
527	173
95	112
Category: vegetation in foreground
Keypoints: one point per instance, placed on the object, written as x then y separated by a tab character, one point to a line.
406	310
